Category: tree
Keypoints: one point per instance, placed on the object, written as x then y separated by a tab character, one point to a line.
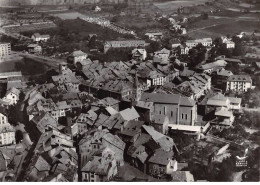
18	136
222	50
11	165
205	16
92	42
154	46
238	50
178	51
226	169
217	42
115	19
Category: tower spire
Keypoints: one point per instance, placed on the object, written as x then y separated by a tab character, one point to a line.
136	90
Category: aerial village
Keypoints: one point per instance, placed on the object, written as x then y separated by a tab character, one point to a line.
187	112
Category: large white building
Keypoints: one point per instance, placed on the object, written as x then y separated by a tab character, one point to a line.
228	42
36	37
7	132
205	42
239	83
78	56
5	49
12	96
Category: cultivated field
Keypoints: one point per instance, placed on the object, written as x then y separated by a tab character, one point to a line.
29	27
235	27
174	5
138	23
230	28
69	15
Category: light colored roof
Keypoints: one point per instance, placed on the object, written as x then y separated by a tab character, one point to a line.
223	112
16	84
187	72
36	34
129	114
229	59
10	74
97	165
224	72
252	55
33	45
200	40
141	51
240	78
2	163
218	100
165	142
167	98
154	33
218	63
185	127
235	100
62	105
14	91
132	127
182	176
158	119
114	140
111	110
77	53
161	157
163	51
124	41
160	98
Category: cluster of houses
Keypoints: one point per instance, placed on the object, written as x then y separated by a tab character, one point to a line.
35	47
90	120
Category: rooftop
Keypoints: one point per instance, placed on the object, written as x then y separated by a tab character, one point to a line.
240	78
161	157
78	53
167	98
129	114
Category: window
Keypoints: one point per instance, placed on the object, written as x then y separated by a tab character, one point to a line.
164	110
186	116
171	113
181	116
